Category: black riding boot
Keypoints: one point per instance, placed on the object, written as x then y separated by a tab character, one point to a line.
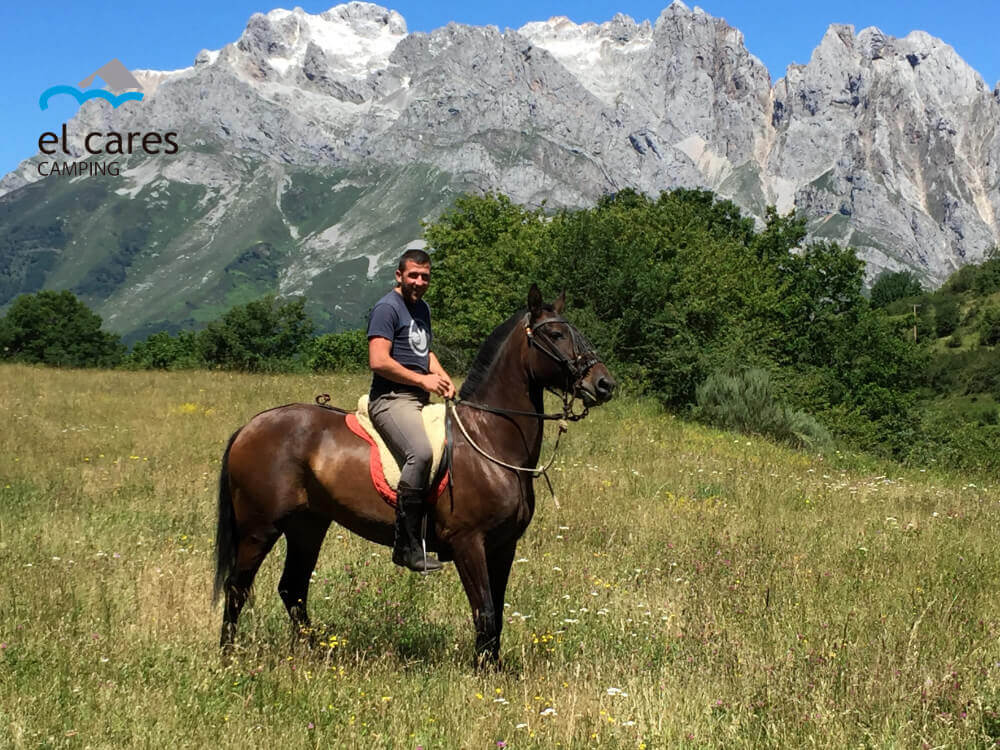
407	550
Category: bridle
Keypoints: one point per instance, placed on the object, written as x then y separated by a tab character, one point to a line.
575	368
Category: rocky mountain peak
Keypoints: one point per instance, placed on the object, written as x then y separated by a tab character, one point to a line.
601	56
352	39
334	135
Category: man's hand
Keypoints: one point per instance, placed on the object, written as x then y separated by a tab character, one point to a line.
450	393
437	369
440	384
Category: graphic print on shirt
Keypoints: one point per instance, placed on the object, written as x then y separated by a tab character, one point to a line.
418	339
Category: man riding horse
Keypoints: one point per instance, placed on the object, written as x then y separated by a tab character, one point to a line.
404	374
293	470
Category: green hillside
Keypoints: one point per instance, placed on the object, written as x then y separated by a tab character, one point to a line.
151	251
959	325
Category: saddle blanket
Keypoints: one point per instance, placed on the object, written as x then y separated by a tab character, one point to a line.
382	464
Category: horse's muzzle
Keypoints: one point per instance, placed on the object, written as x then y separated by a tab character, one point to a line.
598	386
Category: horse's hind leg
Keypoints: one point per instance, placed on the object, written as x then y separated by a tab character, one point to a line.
252	550
304	533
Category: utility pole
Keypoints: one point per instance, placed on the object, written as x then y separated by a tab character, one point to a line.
915	323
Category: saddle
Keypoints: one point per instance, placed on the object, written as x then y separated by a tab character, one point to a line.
382	464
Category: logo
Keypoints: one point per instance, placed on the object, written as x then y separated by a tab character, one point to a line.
114	144
418	339
113	73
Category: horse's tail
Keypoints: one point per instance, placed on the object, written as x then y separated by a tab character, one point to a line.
226	542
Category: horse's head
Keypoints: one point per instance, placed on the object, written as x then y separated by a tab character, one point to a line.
560	356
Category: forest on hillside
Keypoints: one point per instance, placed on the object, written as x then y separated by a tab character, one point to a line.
744	327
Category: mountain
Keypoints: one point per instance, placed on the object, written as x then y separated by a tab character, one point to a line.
310	150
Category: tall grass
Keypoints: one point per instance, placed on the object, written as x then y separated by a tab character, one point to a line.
692	588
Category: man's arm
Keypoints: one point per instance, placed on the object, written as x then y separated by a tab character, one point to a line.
381	362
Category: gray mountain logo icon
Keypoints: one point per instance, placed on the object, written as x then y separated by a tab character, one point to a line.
113	73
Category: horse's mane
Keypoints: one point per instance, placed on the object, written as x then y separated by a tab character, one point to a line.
487	353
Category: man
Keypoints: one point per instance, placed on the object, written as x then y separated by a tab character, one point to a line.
404	374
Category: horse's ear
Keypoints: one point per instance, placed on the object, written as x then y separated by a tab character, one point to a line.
535	300
560	302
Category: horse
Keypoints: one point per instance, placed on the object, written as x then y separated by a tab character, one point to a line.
294	469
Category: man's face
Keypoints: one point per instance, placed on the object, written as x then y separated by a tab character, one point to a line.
413	280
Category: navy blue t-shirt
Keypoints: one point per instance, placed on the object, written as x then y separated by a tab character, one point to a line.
409	330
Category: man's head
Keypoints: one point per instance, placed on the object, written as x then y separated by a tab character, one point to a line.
413	275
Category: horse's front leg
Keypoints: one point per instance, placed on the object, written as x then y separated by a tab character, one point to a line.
470	561
498	564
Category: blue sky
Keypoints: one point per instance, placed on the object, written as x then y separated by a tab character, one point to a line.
55	42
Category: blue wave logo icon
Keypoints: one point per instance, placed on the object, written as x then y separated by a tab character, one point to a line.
81	97
116	75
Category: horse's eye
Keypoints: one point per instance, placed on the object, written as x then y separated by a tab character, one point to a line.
557	335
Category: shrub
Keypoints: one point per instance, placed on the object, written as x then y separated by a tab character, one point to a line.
962	280
967	446
747	402
989	326
339	352
982	372
161	351
807	431
946	314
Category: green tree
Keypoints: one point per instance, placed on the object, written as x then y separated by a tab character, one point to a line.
56	328
962	280
894	285
989	326
266	335
673	289
947	314
780	235
487	253
987	278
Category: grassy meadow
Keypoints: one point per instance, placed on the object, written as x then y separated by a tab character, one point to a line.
691	589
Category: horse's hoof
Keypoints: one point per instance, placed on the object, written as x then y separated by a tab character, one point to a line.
306	635
227	655
487	663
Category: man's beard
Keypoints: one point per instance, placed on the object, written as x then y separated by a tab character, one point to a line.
409	292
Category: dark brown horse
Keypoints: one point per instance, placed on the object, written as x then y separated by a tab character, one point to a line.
294	469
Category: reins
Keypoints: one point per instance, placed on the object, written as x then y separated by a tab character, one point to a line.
535	472
567	414
563	427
